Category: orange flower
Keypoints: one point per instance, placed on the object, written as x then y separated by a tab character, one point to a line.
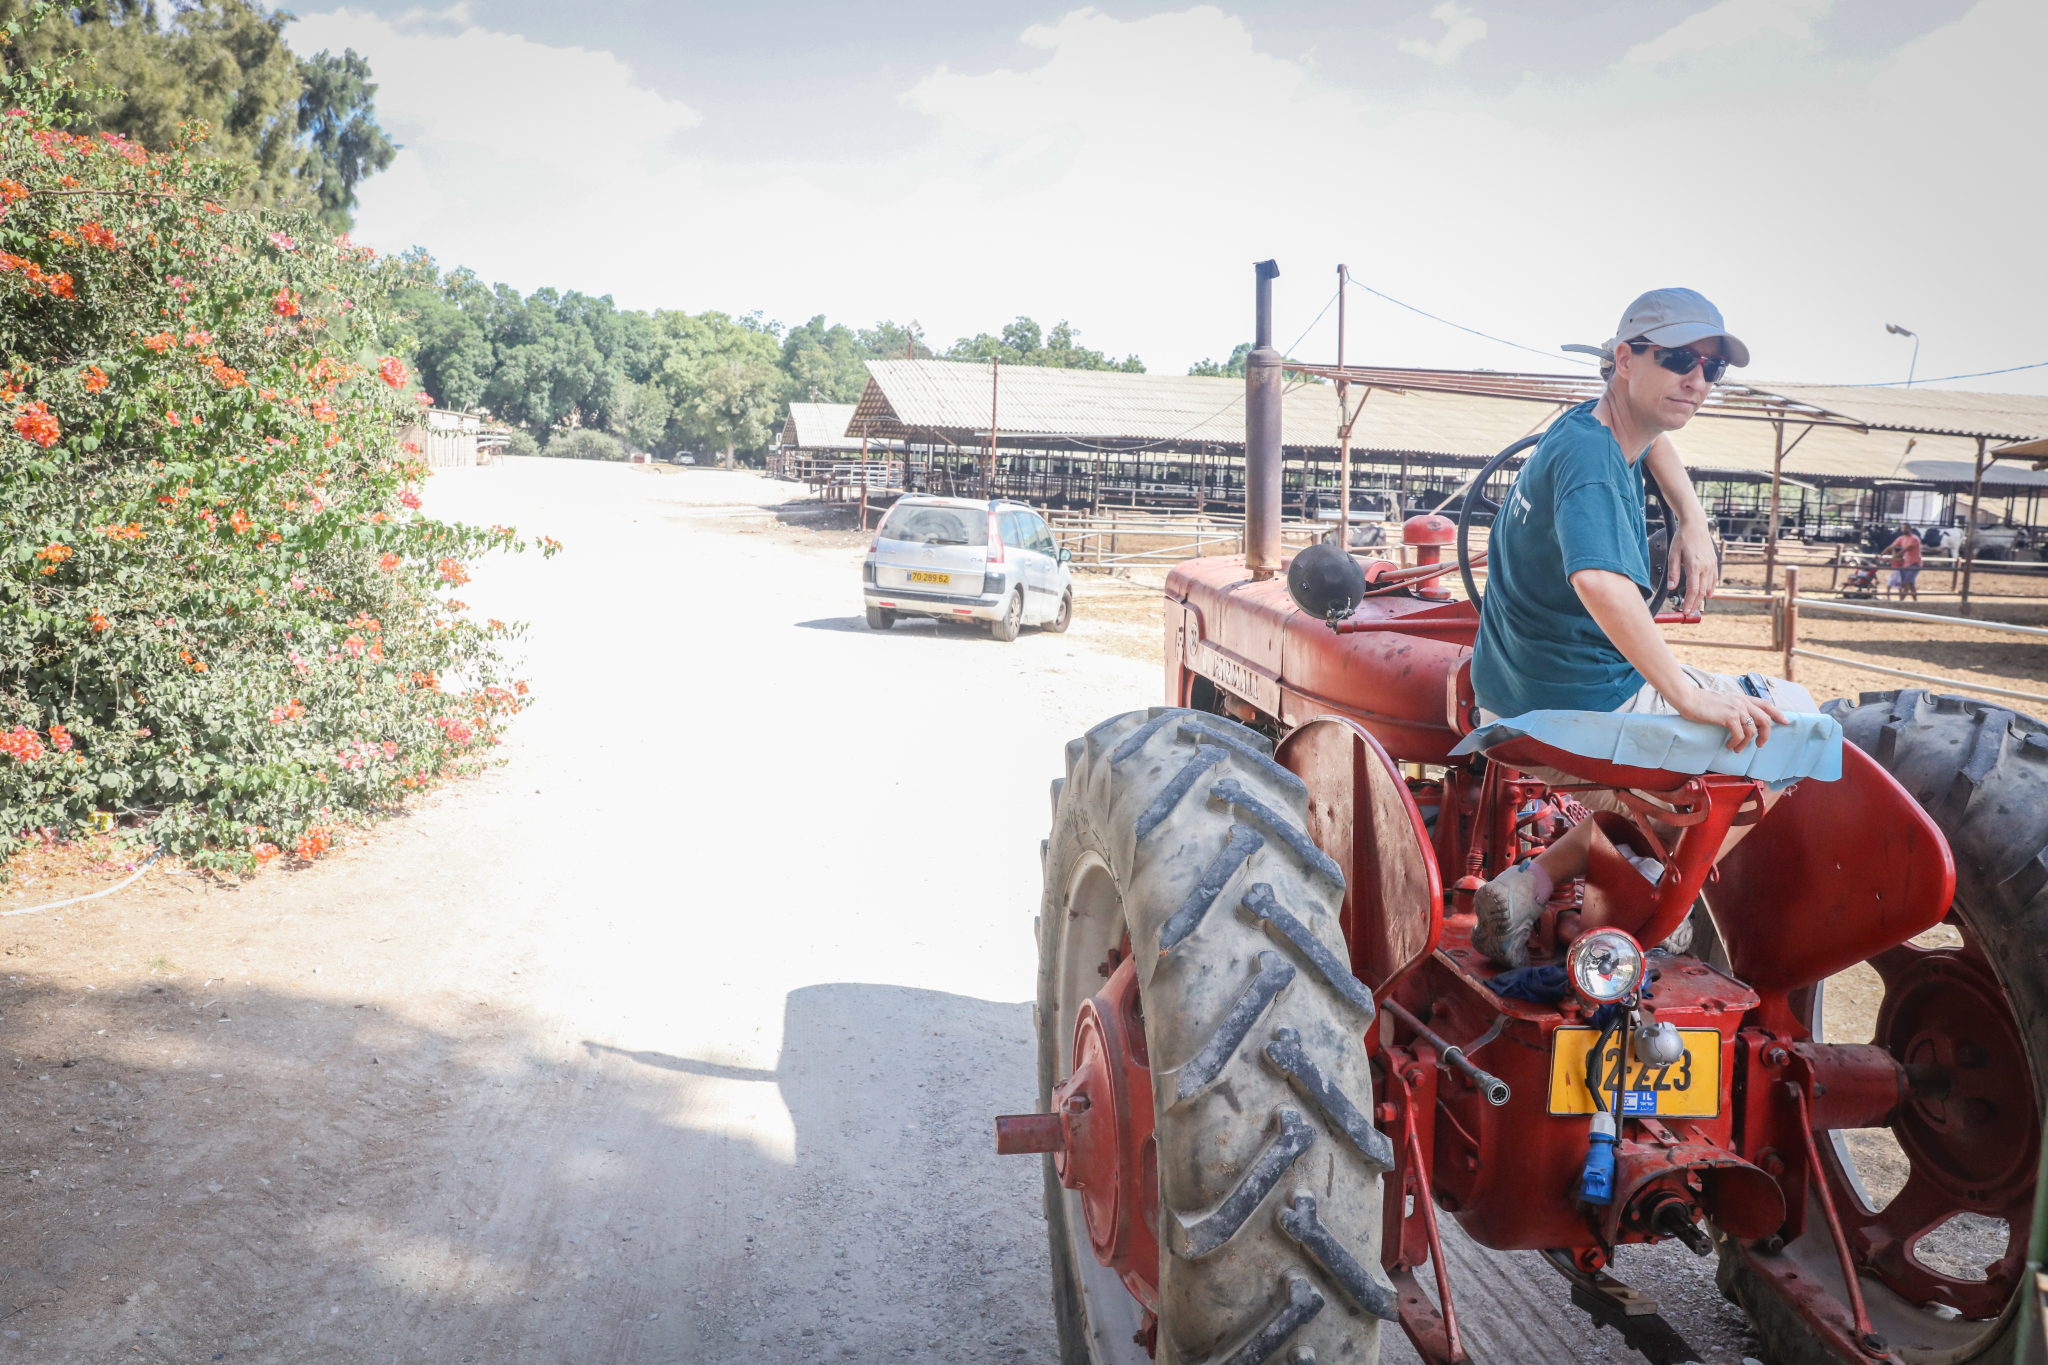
388	563
52	556
284	303
98	236
172	418
93	377
453	573
34	423
132	531
97	622
229	376
162	341
240	521
392	371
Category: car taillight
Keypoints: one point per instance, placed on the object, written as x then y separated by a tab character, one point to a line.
995	540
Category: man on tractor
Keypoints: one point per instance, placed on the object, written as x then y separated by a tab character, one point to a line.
1564	625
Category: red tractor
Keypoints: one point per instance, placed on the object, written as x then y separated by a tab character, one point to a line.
1271	1062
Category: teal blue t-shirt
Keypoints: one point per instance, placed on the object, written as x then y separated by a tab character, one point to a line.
1577	504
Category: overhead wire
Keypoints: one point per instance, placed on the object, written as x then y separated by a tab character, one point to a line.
1980	374
1474	331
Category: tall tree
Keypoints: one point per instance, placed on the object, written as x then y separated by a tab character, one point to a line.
338	127
306	129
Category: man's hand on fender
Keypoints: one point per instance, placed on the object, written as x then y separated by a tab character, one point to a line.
1693	558
1745	718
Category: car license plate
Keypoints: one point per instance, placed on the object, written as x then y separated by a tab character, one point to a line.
1687	1088
920	576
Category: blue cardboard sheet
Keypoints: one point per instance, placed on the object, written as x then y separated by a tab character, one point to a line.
1810	747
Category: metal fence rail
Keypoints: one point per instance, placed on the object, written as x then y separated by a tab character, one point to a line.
1787	606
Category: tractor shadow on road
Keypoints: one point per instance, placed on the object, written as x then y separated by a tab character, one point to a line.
246	1173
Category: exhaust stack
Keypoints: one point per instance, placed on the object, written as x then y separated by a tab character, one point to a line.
1262	437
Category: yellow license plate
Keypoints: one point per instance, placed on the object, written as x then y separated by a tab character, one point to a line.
1687	1088
918	576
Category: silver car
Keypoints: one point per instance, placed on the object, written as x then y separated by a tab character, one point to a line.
963	560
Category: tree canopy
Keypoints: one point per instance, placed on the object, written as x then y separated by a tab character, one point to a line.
667	381
307	126
1022	343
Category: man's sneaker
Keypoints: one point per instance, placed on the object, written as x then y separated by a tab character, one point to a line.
1507	909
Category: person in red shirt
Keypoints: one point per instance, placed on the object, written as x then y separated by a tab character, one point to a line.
1905	557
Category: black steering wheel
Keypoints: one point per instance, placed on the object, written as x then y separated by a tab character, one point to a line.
1660	542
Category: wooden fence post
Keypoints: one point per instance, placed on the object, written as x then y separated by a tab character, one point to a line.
1791	616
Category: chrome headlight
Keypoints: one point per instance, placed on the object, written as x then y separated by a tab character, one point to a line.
1605	965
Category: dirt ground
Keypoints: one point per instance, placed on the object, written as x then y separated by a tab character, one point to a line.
673	1039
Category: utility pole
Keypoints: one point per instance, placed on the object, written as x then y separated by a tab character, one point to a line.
1344	423
1913	364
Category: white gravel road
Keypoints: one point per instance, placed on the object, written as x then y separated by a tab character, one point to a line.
676	1039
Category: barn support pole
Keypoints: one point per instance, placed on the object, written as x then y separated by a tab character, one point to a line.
1262	380
1771	525
1970	527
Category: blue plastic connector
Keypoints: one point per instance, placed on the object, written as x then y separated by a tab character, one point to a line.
1596	1182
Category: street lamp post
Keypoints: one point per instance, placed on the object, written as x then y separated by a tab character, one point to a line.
1899	331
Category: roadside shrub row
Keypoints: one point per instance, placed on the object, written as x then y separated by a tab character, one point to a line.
225	610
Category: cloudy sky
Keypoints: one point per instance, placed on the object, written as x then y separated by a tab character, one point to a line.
1524	167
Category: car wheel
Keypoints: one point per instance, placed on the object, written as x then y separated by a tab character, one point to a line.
1012	623
1058	625
880	618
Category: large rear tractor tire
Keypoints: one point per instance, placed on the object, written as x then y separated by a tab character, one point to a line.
1180	884
1979	1011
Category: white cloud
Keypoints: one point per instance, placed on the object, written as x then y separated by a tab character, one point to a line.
443	82
1461	30
1730	22
1126	173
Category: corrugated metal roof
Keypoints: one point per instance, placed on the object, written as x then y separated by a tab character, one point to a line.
819	426
1997	416
935	400
1729	400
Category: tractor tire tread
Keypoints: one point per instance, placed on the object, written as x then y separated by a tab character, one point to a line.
1238	1132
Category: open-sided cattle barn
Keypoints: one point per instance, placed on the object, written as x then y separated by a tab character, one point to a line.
1842	457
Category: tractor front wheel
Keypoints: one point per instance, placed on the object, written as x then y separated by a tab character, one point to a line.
1216	1195
1967	1003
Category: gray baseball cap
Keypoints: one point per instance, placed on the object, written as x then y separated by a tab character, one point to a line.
1672	317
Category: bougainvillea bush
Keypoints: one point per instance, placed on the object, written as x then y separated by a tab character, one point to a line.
224	610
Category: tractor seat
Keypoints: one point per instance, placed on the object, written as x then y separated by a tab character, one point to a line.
1657	753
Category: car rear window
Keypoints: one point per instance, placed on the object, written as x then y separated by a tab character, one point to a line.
925	525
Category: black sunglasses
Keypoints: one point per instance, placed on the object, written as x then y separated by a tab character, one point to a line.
1682	359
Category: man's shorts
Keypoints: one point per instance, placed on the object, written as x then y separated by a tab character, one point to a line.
1648	701
1906	577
